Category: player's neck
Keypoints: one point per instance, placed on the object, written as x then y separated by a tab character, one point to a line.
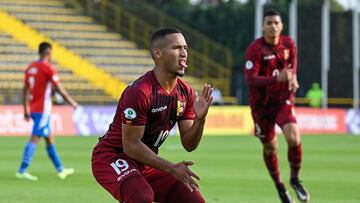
272	40
165	79
44	59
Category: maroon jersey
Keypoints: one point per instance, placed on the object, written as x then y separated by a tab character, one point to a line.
263	63
146	103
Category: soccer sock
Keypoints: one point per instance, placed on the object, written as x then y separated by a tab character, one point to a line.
272	165
27	156
54	157
294	157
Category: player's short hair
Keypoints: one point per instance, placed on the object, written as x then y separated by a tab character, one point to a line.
162	32
271	13
43	46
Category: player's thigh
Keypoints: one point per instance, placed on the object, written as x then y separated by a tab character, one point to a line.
169	190
292	134
264	128
41	125
287	121
111	170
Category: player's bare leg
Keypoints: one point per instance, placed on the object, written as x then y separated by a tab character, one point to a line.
27	157
271	161
50	147
292	135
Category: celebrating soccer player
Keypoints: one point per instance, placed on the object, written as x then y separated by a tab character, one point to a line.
270	74
125	161
40	76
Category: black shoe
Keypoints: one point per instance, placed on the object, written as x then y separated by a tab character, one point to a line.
285	197
302	194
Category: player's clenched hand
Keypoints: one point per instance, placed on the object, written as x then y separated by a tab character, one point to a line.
183	173
285	75
203	102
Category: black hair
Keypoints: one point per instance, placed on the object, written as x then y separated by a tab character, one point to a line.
43	46
162	32
271	13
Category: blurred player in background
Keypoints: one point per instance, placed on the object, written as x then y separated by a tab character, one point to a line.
40	76
125	161
270	74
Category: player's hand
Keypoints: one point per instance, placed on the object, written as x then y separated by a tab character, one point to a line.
182	172
203	102
27	116
293	84
285	75
75	105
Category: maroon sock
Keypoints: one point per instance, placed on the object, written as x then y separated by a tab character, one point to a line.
294	157
272	165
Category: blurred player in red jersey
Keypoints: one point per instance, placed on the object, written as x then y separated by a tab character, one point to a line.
40	76
270	74
125	161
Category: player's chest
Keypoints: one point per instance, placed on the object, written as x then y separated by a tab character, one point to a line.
272	59
167	108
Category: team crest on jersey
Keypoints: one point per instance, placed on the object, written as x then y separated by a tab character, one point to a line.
249	65
286	54
180	108
130	113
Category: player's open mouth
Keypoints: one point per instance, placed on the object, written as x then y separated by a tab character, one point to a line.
183	64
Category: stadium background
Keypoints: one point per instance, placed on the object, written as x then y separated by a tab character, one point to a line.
101	46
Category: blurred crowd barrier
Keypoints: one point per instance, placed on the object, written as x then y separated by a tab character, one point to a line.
221	121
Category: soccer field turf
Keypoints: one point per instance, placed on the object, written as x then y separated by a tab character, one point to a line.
231	170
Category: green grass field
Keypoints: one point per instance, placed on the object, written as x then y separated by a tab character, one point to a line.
231	169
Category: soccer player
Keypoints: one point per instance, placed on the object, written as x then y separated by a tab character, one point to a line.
270	74
125	161
40	76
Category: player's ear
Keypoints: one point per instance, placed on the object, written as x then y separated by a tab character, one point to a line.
156	53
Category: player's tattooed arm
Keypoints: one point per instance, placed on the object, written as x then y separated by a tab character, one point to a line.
191	130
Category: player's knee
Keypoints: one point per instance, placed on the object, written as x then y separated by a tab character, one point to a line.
294	140
181	194
192	197
141	197
270	149
137	190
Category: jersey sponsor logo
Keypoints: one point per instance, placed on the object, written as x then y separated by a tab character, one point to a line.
158	109
269	57
249	65
130	113
286	54
126	174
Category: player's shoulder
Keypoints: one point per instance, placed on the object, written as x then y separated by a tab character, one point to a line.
142	85
259	42
287	40
184	88
255	46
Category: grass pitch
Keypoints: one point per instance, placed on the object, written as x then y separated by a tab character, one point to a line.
231	170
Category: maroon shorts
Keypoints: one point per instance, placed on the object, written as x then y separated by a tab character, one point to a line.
112	169
265	127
